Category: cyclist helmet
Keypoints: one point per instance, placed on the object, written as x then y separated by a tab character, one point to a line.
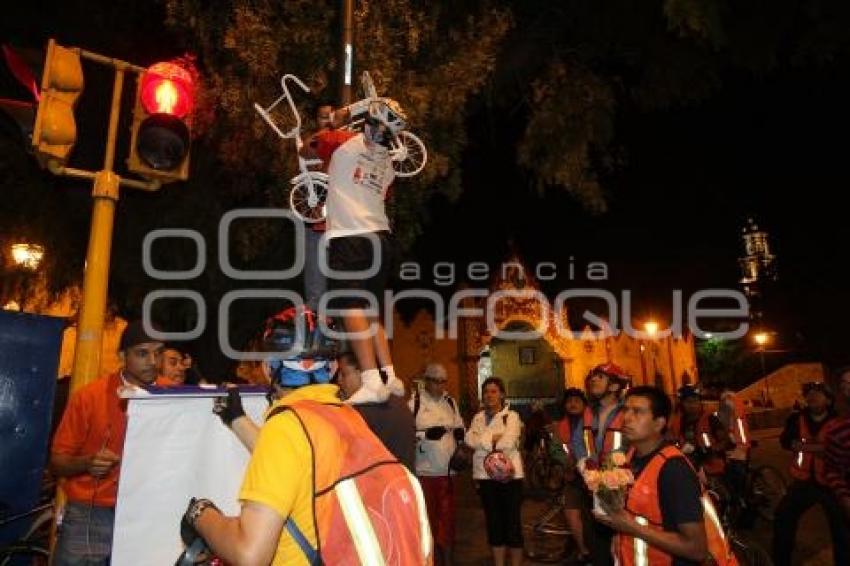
615	374
388	112
498	466
304	352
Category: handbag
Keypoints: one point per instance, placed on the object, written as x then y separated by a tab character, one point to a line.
461	459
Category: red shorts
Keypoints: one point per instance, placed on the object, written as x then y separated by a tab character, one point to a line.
440	499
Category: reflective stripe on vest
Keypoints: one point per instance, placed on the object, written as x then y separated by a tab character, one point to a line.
711	512
357	519
706	440
424	525
800	458
741	430
618	440
641	548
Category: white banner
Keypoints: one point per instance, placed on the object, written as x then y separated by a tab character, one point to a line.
175	449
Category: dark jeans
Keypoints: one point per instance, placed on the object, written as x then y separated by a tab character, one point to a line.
85	536
502	503
801	496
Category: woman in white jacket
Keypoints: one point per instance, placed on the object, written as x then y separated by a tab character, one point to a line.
496	427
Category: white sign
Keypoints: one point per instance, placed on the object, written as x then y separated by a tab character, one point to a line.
175	449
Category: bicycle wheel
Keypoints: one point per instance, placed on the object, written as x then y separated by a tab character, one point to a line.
766	489
308	205
24	554
408	154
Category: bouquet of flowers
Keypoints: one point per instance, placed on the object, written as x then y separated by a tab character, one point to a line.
608	482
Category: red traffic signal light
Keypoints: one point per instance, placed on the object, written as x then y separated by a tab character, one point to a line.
160	136
167	89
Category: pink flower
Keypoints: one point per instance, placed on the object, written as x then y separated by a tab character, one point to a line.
610	480
591	478
624	476
618	458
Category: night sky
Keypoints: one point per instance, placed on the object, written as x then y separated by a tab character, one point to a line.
770	148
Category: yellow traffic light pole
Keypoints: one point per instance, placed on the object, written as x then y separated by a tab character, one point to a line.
92	313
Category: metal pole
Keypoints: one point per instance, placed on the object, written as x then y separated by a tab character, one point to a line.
346	52
764	376
96	280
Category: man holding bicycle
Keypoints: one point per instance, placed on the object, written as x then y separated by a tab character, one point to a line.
360	173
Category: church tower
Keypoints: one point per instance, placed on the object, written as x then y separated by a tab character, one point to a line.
758	267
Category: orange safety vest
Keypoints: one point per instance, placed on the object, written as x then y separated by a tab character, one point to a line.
741	430
642	502
713	464
369	509
806	465
613	439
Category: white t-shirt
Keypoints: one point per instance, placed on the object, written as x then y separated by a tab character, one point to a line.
359	179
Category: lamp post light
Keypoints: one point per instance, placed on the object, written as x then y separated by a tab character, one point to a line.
27	256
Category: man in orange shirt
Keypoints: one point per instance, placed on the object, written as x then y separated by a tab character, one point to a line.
86	451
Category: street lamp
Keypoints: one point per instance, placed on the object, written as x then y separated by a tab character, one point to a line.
651	328
27	256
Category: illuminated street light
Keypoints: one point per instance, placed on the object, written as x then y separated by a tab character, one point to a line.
27	256
761	338
651	328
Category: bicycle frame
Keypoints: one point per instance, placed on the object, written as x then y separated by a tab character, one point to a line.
312	181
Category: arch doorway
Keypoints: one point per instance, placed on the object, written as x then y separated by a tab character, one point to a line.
530	368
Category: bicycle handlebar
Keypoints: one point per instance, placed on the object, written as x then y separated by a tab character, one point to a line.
304	87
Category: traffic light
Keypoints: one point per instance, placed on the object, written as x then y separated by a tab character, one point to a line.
55	131
160	134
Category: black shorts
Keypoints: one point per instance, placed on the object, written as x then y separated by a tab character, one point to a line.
359	253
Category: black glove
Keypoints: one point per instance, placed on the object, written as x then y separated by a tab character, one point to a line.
188	533
459	435
229	408
435	432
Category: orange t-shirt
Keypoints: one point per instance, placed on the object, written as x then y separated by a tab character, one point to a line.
95	418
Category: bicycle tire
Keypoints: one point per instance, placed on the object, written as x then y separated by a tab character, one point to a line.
18	554
766	488
410	156
299	200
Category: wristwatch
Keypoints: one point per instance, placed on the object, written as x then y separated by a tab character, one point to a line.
198	507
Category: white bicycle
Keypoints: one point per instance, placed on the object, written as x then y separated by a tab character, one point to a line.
407	151
309	188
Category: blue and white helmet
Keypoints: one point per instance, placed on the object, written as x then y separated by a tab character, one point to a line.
305	353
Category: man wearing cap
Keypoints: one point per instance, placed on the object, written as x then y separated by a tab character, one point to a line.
86	451
439	428
805	436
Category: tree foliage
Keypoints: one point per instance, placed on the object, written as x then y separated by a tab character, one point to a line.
430	56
